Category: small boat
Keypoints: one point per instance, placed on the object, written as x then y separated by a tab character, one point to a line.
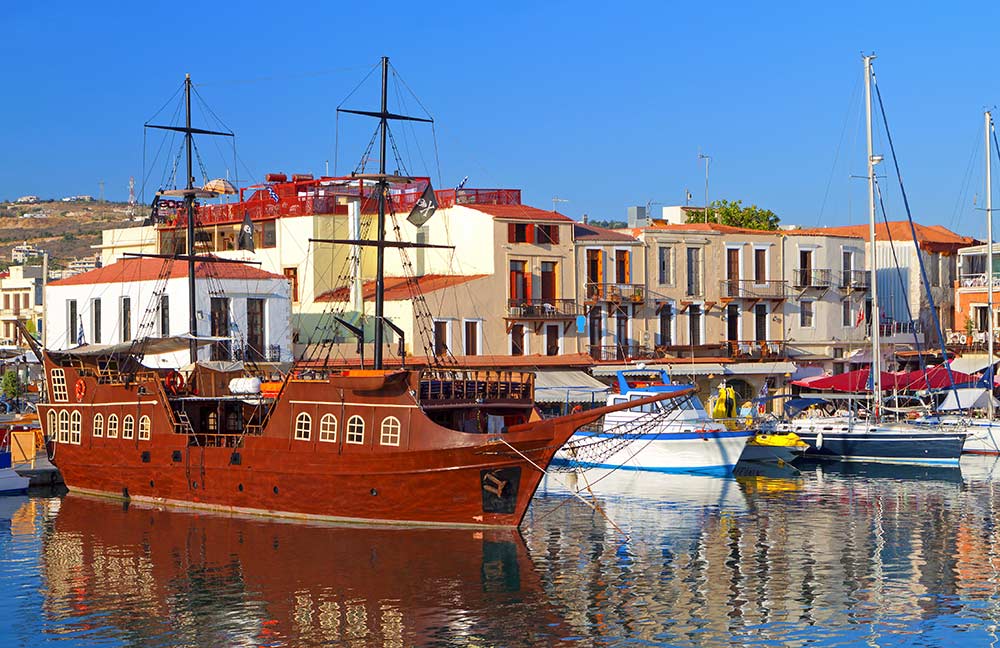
776	447
687	440
10	482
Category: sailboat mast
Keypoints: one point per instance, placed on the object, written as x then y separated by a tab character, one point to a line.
988	123
876	366
383	189
189	206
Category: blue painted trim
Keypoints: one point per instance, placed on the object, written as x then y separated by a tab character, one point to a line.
720	470
670	436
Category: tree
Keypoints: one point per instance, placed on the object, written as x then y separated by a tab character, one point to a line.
735	214
10	385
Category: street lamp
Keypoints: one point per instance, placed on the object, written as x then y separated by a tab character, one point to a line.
708	159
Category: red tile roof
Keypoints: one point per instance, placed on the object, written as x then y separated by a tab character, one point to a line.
933	238
140	269
588	232
519	212
396	288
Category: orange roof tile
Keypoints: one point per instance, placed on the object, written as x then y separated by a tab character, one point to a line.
659	225
396	288
142	269
519	212
933	238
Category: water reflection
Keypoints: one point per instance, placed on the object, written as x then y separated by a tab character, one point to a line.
839	554
155	577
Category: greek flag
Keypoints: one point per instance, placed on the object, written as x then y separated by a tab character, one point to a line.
80	339
274	194
461	185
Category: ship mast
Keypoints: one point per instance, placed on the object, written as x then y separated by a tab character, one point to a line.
875	371
988	119
189	208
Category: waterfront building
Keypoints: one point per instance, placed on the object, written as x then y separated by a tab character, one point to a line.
971	314
22	300
243	309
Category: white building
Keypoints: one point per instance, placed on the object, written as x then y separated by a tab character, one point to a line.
24	251
20	299
139	298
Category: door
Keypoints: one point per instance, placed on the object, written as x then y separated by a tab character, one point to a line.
548	281
596	331
255	350
694	325
733	323
805	267
520	292
760	322
595	272
621	333
733	271
517	340
220	328
552	339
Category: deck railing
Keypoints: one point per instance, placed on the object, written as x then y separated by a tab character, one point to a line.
616	292
543	308
469	385
812	278
752	289
609	352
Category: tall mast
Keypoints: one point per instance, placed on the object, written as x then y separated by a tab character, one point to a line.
876	366
383	188
189	205
988	123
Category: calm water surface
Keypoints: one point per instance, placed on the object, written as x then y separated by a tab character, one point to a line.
839	555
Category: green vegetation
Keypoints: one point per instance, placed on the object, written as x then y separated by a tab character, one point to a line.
608	224
735	214
10	385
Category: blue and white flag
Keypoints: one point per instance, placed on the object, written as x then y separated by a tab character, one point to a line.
461	185
274	194
80	339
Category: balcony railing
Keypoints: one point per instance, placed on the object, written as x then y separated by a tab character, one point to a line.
616	292
978	280
756	349
752	289
812	278
606	352
543	308
859	279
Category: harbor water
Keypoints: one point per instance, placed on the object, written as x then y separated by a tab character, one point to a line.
838	555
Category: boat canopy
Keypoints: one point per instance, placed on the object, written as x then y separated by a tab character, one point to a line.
149	346
568	387
967	398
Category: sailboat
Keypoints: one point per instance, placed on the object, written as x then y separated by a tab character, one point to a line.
435	446
870	439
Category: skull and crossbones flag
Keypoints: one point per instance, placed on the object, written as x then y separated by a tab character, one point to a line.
424	208
245	241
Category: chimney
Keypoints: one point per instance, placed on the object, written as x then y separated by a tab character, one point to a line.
584	219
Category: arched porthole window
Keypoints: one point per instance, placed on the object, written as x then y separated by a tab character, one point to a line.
113	426
328	428
355	430
64	427
303	427
144	425
98	425
128	427
75	427
390	431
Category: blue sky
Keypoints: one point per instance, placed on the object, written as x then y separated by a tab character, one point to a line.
603	104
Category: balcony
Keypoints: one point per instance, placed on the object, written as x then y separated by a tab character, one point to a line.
978	280
856	279
616	292
812	278
611	352
751	289
542	309
757	349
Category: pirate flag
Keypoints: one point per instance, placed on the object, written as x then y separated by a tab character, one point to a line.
245	241
424	208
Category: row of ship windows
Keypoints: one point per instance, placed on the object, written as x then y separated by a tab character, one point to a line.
69	426
355	429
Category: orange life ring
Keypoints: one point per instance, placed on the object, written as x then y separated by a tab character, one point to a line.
173	381
81	389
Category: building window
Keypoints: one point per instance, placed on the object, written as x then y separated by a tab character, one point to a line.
693	271
806	313
98	425
59	392
846	266
303	427
390	431
126	319
845	313
805	267
255	330
552	339
292	274
164	315
548	276
520	233
471	337
144	427
666	325
113	426
220	328
520	283
72	323
694	324
269	234
547	234
623	267
95	320
442	337
666	265
760	265
328	428
934	269
760	322
517	342
63	426
75	427
128	427
356	430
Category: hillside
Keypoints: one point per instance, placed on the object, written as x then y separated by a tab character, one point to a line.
66	230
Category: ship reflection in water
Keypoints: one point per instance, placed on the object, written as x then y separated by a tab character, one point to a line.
836	555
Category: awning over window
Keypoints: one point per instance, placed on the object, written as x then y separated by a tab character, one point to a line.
971	363
759	368
568	386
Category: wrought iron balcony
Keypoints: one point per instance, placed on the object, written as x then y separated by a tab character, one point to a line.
857	279
616	292
542	309
751	289
812	278
605	352
757	349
